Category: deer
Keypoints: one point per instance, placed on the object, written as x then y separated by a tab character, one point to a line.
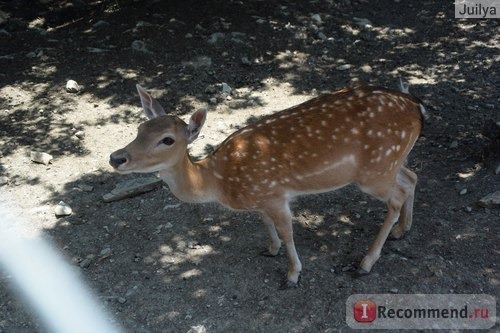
360	134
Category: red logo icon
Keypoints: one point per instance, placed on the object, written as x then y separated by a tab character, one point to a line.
365	311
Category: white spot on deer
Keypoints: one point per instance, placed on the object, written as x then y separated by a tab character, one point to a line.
271	120
403	134
317	131
380	108
347	119
366	147
346	140
354	131
398	148
330	115
324	123
371	114
390	104
370	132
334	137
218	175
379	134
388	152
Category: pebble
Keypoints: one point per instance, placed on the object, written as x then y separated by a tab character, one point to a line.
316	18
40	157
226	89
245	61
362	22
122	300
171	206
100	24
366	68
454	144
63	209
463	191
80	135
140	46
198	329
5	33
344	67
215	38
492	200
86	188
394	290
105	252
72	86
322	36
212	100
85	263
4	180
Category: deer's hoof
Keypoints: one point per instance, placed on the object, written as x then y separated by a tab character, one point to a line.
267	253
289	285
360	272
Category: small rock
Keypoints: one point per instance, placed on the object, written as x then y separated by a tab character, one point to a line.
96	50
86	188
211	89
171	206
394	290
362	22
344	67
141	24
40	157
492	200
80	135
322	36
85	263
140	46
463	191
188	35
226	89
212	100
199	62
454	144
4	180
197	329
122	300
245	61
215	37
63	209
468	209
316	18
105	252
366	68
72	86
4	33
100	24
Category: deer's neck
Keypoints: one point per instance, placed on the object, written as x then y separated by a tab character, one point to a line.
189	181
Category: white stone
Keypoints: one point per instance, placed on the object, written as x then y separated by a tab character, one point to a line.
63	209
72	86
40	157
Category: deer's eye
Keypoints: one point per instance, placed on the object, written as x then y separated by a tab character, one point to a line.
167	141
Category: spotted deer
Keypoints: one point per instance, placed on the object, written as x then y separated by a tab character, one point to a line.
360	134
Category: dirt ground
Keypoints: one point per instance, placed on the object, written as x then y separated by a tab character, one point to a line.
160	265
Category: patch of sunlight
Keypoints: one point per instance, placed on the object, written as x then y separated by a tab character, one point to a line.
191	273
345	219
127	73
200	293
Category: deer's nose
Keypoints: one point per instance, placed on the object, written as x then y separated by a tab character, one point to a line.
118	158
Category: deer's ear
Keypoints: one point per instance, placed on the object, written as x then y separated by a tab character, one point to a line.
151	106
195	124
